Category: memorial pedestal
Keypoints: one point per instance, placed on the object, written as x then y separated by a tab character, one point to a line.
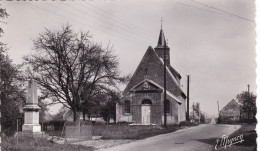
31	111
31	118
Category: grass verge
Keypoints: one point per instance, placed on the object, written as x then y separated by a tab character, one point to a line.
131	132
28	143
125	131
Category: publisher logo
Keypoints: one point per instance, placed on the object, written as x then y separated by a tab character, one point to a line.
225	141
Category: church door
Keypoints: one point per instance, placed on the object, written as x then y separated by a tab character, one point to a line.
146	114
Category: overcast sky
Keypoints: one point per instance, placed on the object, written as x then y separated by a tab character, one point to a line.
216	48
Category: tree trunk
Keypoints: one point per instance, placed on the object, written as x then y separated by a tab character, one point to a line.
84	115
76	115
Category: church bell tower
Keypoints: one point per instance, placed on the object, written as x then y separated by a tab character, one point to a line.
159	49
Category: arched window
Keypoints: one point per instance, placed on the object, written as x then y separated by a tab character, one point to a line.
168	106
146	101
127	106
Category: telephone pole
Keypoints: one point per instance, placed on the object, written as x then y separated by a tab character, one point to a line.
248	88
218	108
164	67
188	98
193	112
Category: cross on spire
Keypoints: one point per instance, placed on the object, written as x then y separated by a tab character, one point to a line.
161	22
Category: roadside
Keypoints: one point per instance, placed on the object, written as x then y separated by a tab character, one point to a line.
113	135
110	135
249	137
190	139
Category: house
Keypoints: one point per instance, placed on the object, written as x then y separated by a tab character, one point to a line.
230	113
142	100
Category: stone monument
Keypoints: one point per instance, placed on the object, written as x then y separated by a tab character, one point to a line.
31	109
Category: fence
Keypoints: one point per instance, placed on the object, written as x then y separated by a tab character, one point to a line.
77	132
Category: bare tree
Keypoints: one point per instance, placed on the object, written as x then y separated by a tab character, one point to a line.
71	69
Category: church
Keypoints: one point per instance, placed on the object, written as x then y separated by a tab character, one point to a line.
142	101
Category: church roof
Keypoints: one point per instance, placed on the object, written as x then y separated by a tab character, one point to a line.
150	56
174	72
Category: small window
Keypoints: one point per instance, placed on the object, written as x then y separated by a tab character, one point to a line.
127	106
168	106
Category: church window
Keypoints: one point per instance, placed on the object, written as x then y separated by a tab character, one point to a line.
127	106
168	106
147	102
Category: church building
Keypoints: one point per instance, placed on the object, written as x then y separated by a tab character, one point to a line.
143	98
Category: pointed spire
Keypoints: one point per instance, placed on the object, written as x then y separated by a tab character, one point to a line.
162	47
161	40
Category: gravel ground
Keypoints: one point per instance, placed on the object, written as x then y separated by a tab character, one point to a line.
98	144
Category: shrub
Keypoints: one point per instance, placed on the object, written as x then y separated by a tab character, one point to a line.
187	123
53	125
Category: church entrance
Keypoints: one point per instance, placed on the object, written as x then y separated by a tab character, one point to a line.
146	112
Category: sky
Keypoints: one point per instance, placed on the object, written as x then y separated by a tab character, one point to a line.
212	41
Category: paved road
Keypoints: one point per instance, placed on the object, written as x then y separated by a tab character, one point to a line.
190	139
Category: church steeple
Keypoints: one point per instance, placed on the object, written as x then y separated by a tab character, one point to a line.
161	39
159	49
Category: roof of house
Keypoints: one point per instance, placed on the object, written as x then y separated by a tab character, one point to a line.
231	105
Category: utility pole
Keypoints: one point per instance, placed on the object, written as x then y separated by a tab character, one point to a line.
248	88
193	112
218	108
164	102
188	98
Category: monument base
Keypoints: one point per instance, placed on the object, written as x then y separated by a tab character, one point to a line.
32	134
33	128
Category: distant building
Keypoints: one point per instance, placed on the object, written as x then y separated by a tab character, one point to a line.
143	97
67	115
230	113
194	117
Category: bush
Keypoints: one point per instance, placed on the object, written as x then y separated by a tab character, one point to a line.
187	123
53	125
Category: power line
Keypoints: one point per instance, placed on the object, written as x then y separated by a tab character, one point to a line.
231	14
122	20
109	22
99	29
200	8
